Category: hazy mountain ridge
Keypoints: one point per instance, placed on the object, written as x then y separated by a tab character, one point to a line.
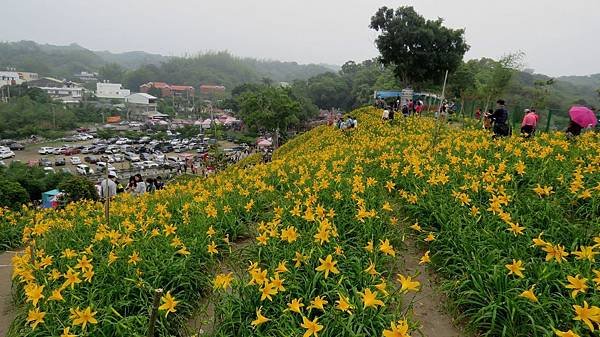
65	61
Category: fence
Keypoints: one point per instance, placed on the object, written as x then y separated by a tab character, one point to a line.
550	119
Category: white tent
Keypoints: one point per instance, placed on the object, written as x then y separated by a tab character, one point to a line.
264	143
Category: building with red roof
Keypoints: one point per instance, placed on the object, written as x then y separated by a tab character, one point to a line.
168	90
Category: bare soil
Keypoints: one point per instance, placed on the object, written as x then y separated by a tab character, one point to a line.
7	310
426	306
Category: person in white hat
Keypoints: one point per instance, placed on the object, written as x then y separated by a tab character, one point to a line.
108	187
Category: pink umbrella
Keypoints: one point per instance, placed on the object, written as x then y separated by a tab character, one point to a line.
583	116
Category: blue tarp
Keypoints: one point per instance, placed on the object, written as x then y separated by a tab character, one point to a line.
388	93
47	198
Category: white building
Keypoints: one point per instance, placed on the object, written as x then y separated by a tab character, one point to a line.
111	91
9	78
68	92
27	76
140	106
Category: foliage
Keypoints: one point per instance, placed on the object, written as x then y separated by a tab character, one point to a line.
76	188
476	204
112	72
12	194
31	111
33	179
271	108
350	88
11	230
420	50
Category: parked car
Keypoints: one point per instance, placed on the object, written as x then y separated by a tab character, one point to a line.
179	148
6	153
16	147
59	150
59	162
48	170
148	164
132	156
75	160
123	141
103	165
137	165
45	162
144	140
90	159
71	151
118	158
83	169
146	156
46	150
166	148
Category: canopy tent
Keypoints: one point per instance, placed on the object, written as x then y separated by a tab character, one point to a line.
49	199
264	143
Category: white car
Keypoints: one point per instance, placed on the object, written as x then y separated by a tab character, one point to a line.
132	156
75	160
118	158
138	165
83	169
149	164
46	150
49	170
102	165
4	154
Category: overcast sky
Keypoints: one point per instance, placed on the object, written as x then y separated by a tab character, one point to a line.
559	37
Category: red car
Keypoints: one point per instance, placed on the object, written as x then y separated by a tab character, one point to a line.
72	151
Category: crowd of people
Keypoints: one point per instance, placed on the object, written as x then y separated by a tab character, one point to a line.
111	186
494	120
497	121
411	107
349	123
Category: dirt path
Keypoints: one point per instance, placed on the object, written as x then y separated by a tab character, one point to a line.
202	323
426	306
7	313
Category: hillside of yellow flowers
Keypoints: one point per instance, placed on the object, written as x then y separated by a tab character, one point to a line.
512	226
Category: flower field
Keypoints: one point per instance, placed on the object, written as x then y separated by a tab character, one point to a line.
511	226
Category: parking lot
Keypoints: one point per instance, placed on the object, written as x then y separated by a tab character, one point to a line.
125	156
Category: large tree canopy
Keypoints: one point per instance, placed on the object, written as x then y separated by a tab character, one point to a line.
270	108
420	50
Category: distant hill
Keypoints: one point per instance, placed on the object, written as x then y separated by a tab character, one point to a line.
588	81
218	68
132	59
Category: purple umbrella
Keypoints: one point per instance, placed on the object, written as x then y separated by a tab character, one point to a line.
583	116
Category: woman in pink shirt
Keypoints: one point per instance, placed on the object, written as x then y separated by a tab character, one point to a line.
529	123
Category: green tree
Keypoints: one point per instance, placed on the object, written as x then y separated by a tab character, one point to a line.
462	84
12	194
78	188
420	50
112	72
270	108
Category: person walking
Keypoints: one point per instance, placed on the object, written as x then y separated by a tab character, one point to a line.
500	117
529	124
108	187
